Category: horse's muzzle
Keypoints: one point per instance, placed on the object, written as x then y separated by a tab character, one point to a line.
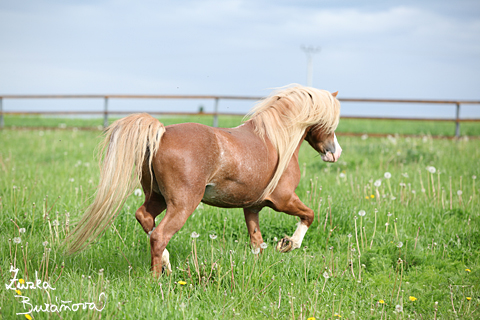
332	155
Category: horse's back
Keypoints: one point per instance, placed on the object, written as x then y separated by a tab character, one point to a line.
230	167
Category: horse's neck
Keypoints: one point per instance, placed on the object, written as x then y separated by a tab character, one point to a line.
300	144
250	126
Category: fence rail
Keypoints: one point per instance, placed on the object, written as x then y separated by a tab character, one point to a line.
216	113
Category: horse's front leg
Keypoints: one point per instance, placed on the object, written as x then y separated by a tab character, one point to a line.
293	206
253	226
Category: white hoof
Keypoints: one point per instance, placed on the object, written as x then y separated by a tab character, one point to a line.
166	266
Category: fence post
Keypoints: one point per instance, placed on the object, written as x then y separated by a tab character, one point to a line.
105	113
457	122
215	116
1	113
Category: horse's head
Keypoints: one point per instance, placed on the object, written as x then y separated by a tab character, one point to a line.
325	143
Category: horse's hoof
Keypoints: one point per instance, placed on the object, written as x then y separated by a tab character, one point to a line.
167	270
285	245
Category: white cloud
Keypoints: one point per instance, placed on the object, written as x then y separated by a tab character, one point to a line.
237	47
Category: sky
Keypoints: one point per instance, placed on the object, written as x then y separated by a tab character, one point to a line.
369	49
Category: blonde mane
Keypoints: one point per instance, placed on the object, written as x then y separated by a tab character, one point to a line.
284	116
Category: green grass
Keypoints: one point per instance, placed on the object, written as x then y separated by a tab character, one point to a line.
408	127
359	126
49	176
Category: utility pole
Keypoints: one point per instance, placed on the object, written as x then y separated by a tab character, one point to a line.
310	51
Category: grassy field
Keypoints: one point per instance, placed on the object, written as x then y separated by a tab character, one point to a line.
414	254
357	126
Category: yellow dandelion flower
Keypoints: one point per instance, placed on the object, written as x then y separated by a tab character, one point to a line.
381	301
182	283
372	196
468	270
469	298
29	317
366	197
411	298
18	292
21	281
311	318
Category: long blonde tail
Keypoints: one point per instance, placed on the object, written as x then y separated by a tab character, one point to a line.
127	144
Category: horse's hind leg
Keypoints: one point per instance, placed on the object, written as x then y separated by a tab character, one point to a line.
253	226
177	214
154	205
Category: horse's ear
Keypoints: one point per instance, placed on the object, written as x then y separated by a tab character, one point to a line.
335	94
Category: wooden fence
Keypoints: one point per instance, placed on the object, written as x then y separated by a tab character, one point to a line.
106	111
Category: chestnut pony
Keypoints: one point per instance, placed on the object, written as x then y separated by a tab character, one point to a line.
252	166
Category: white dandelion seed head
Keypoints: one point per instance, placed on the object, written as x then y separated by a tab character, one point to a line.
361	213
405	175
342	175
55	223
71	180
137	192
398	308
474	177
194	235
393	198
263	245
326	275
213	236
431	169
256	251
22	230
459	192
377	183
275	239
387	224
17	240
349	235
364	136
45	243
400	244
387	175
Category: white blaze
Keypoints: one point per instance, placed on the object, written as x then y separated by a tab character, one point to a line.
338	149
